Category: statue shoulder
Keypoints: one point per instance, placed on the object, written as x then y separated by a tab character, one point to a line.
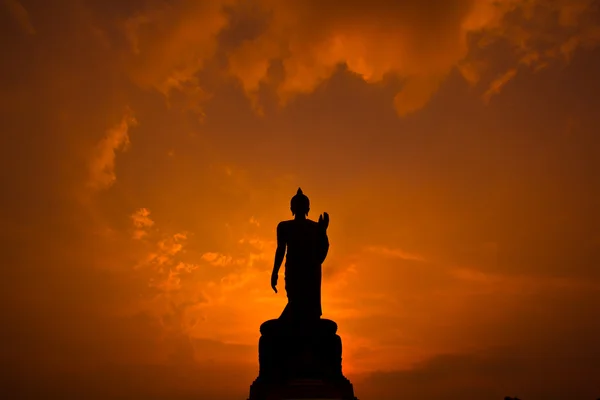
283	225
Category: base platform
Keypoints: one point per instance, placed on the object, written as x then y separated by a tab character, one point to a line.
300	361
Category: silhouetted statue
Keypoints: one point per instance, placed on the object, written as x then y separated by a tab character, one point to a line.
300	353
307	246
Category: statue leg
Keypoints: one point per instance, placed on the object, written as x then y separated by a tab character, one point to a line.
290	293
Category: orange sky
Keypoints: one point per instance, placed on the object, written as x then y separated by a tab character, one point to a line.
149	148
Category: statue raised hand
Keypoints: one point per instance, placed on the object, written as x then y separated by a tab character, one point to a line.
324	220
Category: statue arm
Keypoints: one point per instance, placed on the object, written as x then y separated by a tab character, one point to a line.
324	248
281	246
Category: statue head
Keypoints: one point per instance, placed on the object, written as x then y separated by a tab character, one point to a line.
300	205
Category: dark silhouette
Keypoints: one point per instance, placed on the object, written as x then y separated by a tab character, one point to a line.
307	246
300	354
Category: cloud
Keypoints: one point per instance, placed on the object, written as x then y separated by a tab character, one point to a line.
497	84
102	165
412	39
170	44
172	281
164	260
219	260
20	15
181	49
475	276
417	41
167	248
519	283
395	253
540	33
141	221
169	274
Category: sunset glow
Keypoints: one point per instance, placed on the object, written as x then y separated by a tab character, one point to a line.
149	149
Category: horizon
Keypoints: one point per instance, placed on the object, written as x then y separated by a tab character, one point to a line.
150	148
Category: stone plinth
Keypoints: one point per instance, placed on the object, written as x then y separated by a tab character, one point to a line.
300	361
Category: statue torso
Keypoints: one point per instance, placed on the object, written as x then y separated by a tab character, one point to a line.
302	239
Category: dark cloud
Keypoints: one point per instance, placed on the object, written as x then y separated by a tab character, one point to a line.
492	374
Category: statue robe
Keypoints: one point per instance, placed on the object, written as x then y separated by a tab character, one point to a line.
307	246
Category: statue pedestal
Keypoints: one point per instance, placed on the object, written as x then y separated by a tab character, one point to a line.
300	361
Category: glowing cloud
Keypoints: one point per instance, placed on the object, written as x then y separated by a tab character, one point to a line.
141	221
102	165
